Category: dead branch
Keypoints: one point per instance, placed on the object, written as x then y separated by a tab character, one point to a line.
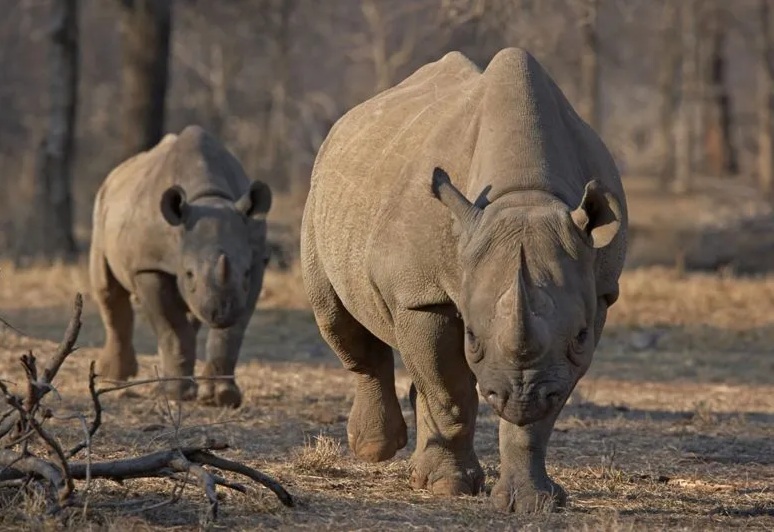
97	421
27	416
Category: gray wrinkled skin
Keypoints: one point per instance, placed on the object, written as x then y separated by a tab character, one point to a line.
183	229
473	222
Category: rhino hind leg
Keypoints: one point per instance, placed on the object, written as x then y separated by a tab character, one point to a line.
118	360
444	400
176	333
376	429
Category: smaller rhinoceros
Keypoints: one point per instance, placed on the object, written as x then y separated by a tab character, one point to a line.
182	229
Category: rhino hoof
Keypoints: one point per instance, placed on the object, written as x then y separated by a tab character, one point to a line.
221	394
117	367
510	496
377	451
178	390
447	480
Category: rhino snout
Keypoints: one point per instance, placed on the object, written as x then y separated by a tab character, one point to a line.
522	405
221	314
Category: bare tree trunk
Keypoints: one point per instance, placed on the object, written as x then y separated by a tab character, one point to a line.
670	61
386	63
589	61
719	144
53	210
765	146
278	117
686	115
145	29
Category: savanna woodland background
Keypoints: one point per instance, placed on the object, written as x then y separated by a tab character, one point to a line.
671	428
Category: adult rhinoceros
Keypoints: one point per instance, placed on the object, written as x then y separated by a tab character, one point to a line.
505	282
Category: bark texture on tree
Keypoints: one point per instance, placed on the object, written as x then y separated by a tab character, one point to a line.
667	83
764	104
684	145
145	32
52	211
589	64
719	145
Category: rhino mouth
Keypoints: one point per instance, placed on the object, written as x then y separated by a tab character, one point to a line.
220	317
523	411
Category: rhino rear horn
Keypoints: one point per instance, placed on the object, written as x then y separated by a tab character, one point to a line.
466	213
256	201
598	217
174	206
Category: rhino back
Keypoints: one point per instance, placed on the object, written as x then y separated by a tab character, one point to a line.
381	237
371	176
127	214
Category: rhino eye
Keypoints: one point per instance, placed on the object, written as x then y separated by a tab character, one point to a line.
474	346
189	275
577	345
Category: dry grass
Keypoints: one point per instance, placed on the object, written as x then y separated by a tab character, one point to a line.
671	429
320	454
648	441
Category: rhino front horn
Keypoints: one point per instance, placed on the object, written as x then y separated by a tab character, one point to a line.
222	268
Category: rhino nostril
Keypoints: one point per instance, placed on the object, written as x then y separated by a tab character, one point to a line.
496	400
553	397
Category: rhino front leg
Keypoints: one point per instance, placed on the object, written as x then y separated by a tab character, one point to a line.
223	347
524	484
117	360
176	333
222	354
444	461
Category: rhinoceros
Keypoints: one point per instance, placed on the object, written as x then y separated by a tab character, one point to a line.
181	229
473	222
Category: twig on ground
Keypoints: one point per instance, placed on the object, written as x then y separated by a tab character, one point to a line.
27	417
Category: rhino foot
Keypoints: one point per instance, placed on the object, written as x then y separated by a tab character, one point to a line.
514	494
178	390
113	364
376	429
220	394
446	476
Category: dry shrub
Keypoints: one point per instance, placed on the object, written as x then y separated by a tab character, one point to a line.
323	455
284	289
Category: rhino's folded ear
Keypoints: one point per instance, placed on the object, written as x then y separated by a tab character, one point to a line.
598	217
256	201
466	213
174	206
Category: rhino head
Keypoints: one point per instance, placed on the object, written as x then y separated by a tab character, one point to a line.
528	294
219	256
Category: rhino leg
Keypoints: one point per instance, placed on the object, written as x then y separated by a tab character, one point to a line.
376	429
223	347
524	484
446	403
176	334
117	360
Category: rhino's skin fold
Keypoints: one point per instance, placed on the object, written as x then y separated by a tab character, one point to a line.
473	222
182	229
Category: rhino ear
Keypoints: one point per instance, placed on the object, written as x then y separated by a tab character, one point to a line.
598	217
174	206
256	201
466	213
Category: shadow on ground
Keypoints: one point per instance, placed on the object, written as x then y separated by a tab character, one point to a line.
698	354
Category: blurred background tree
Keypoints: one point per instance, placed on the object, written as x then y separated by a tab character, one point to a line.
680	91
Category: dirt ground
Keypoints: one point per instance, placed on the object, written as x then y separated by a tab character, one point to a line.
673	428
